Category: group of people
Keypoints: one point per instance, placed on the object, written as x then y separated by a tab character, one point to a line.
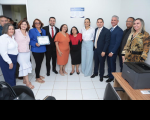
131	45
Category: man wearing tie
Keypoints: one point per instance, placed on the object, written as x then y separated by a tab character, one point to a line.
51	31
116	38
102	40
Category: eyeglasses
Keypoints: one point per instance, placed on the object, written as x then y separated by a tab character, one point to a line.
129	21
4	20
38	23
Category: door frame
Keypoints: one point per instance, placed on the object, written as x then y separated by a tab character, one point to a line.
14	2
1	10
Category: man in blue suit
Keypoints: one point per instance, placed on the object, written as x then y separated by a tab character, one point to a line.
115	42
101	43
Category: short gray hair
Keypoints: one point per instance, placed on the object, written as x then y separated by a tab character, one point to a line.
6	28
115	16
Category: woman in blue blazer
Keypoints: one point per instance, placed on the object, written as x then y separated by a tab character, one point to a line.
37	50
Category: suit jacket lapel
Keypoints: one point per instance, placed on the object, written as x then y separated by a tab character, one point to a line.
114	29
95	33
50	34
48	29
55	30
101	32
38	34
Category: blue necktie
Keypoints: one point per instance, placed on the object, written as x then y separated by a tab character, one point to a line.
112	30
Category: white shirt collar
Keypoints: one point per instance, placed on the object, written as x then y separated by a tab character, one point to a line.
6	35
101	28
51	27
115	26
88	29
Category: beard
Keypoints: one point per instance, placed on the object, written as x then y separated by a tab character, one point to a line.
52	25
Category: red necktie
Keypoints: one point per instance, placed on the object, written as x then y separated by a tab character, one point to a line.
52	32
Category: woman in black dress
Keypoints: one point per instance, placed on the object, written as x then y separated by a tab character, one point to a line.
75	45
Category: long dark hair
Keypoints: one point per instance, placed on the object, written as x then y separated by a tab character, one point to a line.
75	28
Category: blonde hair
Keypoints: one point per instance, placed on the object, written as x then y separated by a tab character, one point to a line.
142	27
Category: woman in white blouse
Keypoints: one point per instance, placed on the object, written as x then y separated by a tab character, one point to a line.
87	48
23	40
8	54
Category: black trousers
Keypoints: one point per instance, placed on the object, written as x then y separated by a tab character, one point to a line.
99	61
17	70
38	60
50	54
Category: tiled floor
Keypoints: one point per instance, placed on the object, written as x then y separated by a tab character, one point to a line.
76	87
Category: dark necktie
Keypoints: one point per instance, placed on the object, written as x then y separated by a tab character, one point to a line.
52	33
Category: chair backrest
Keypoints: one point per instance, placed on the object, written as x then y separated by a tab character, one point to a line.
110	93
23	89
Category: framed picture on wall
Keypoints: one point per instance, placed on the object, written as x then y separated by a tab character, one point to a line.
77	12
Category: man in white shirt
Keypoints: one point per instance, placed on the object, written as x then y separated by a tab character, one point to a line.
116	38
51	31
101	44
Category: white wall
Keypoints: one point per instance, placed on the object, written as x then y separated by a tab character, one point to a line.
61	10
137	9
13	2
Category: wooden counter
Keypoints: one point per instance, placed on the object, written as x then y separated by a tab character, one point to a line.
130	93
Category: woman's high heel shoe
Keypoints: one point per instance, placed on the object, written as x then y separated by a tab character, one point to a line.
71	73
78	73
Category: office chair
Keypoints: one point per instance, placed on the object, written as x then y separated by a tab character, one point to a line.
23	89
110	93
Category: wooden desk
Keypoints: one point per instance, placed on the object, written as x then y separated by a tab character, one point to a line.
130	93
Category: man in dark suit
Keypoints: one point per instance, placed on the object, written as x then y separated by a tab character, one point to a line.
51	31
116	37
101	43
127	32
